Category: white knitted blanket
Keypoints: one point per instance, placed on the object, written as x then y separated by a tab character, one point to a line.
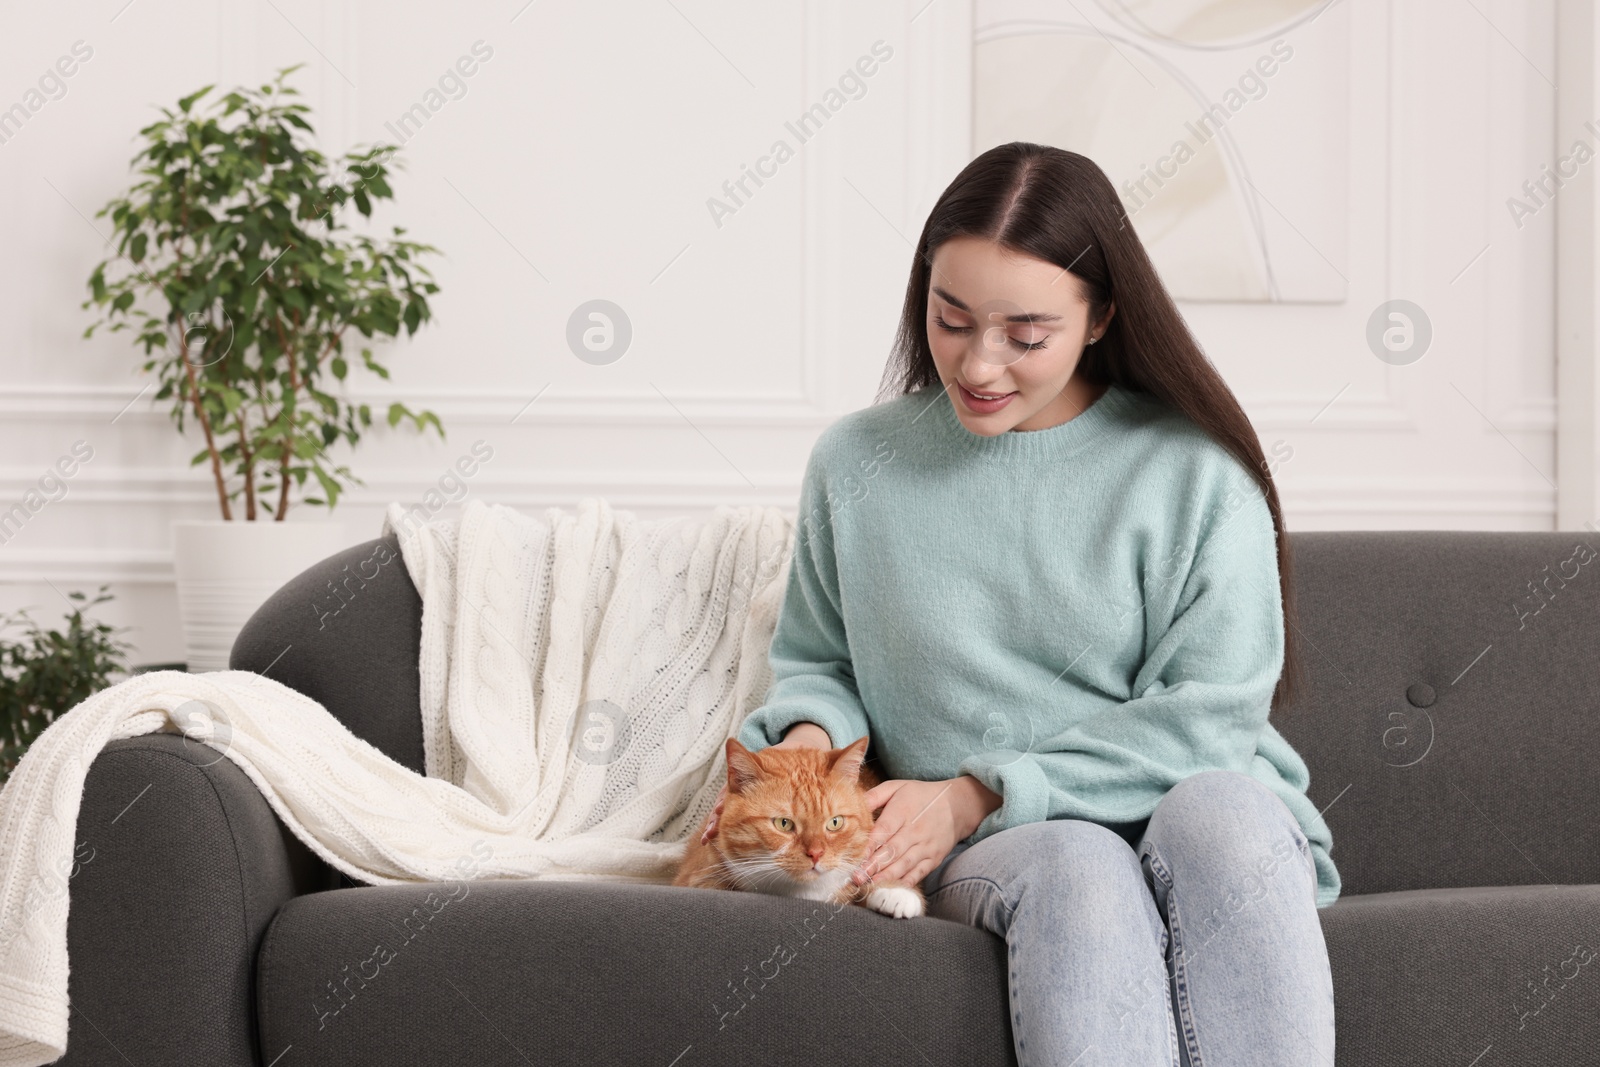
580	673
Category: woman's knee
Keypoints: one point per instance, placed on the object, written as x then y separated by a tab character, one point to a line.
1228	819
1072	858
1217	797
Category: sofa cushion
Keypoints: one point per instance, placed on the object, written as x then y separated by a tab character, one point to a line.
1452	977
1453	705
552	973
559	973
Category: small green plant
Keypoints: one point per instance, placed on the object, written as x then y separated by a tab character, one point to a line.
46	673
242	285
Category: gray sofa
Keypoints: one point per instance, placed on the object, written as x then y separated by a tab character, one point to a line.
1451	723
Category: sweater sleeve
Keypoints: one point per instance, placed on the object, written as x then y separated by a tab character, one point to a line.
1203	695
813	679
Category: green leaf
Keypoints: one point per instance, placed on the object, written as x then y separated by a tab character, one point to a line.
396	413
339	367
329	486
187	102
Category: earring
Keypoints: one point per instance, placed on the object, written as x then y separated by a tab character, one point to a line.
1092	340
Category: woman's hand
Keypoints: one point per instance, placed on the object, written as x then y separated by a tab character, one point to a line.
920	823
800	735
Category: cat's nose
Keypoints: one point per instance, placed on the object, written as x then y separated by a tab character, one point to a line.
815	852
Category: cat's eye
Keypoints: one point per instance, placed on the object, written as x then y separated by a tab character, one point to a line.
783	823
836	823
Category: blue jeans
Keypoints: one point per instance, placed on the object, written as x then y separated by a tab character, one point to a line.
1188	939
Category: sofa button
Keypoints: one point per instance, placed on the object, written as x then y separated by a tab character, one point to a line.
1420	695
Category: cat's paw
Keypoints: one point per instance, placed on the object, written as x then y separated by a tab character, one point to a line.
895	901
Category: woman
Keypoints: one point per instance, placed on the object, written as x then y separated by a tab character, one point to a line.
1049	578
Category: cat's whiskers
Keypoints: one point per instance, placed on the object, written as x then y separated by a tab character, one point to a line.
761	873
732	862
746	871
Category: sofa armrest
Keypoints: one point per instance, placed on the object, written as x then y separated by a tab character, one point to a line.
181	865
347	632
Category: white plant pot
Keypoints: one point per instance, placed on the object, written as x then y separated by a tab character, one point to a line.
226	570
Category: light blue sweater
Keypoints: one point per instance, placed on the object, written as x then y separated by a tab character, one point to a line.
1079	617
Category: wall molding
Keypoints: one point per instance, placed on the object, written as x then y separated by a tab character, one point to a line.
90	403
85	568
1530	414
1406	504
1321	496
566	407
1301	411
515	486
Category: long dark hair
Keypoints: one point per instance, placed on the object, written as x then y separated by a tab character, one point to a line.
1059	206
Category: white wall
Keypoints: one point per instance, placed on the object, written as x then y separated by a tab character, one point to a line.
578	166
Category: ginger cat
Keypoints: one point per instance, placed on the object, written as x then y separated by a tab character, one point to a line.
795	824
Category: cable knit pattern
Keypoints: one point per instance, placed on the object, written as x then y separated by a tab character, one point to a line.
527	623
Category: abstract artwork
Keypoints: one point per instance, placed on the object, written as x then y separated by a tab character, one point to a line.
1223	125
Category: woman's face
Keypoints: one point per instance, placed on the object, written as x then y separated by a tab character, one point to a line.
1004	324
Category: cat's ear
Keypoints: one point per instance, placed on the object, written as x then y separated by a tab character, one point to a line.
847	760
743	769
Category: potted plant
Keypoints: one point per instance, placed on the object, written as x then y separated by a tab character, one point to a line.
246	290
46	673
